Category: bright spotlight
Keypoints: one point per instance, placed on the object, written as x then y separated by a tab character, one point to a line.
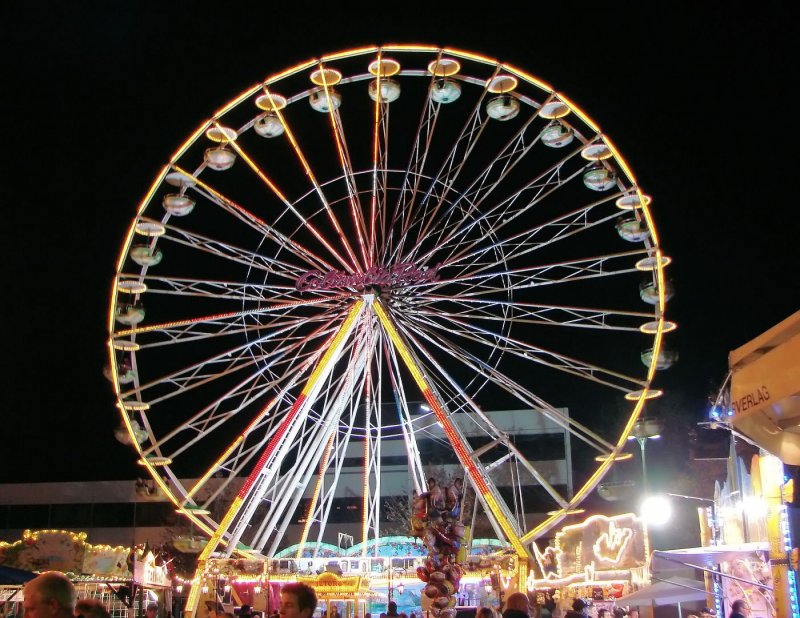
754	507
656	510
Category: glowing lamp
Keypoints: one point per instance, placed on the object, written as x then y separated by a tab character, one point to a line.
656	510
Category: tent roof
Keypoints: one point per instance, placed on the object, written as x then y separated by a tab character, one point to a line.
668	591
701	557
10	575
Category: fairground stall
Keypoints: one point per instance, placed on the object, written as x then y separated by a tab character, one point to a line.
125	580
601	558
353	580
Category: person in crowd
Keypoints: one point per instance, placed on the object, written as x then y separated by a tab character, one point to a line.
602	613
49	595
485	612
579	609
707	612
91	608
298	600
633	612
151	611
517	606
215	609
739	609
391	610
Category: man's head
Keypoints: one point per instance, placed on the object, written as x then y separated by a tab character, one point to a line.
298	600
707	612
633	613
91	608
518	601
50	595
391	608
579	605
739	606
152	610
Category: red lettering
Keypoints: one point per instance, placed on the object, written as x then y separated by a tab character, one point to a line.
405	273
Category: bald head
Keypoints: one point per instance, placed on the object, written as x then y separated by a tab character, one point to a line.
50	595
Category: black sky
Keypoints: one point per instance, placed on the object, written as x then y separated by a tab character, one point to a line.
96	97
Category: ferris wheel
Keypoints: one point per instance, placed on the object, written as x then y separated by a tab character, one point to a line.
373	228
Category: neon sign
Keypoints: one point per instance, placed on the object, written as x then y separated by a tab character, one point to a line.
399	275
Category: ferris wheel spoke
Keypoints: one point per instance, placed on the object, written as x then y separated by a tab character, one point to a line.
531	313
380	167
330	460
224	363
452	237
356	212
230	252
285	496
399	391
549	274
443	181
282	372
192	431
235	462
454	163
353	265
533	239
261	477
224	324
435	337
455	220
535	354
269	231
403	212
209	288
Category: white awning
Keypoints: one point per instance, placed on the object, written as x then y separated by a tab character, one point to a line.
669	591
705	558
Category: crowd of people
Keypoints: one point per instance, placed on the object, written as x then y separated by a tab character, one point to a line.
52	595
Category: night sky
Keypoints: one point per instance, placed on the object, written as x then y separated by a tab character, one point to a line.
96	97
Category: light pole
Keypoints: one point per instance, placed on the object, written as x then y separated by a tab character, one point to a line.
647	428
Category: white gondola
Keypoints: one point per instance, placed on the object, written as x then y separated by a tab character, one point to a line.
632	229
144	255
648	292
556	135
177	204
268	125
219	158
179	179
130	314
322	102
390	90
664	360
502	108
445	91
599	178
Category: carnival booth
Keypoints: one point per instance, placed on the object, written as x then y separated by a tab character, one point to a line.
125	580
601	558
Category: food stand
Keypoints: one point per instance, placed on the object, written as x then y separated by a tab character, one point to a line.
122	578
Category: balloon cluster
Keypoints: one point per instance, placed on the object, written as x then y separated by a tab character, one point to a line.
437	521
